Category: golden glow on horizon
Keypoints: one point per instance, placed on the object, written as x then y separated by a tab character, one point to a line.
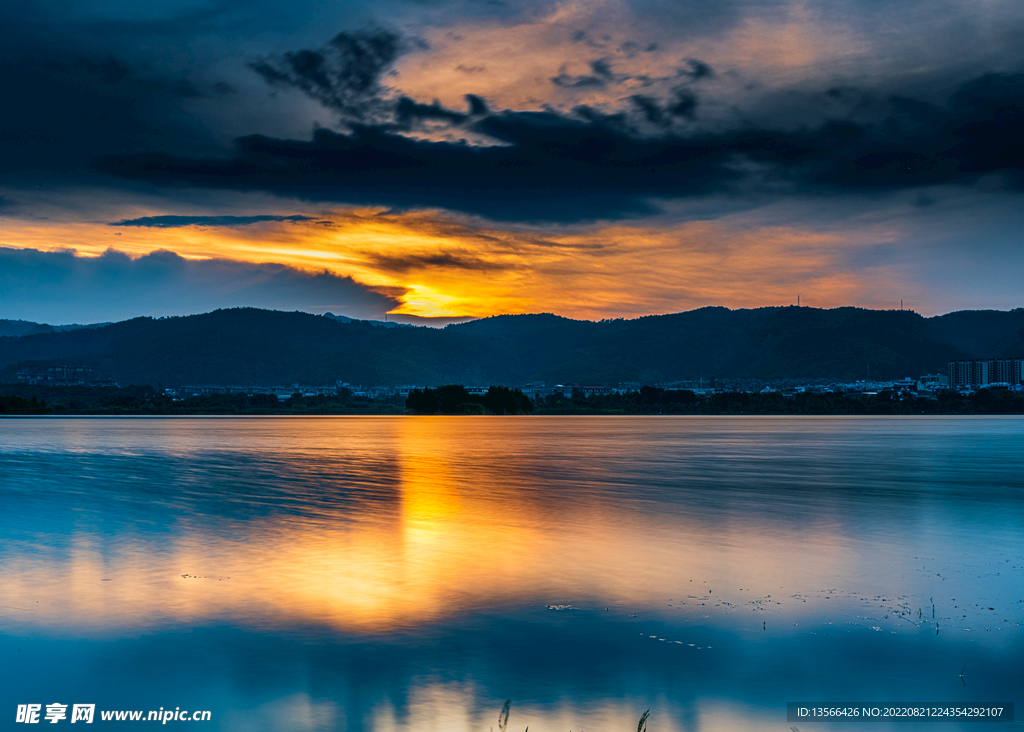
440	265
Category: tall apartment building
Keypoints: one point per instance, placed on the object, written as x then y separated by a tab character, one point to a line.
974	374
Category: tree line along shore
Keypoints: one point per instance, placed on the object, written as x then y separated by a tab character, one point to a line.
21	399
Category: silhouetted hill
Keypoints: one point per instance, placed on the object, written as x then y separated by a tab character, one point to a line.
25	327
982	333
263	347
718	342
15	327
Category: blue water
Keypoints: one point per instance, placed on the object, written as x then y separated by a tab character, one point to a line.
405	573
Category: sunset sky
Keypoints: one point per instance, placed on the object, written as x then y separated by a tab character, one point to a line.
451	158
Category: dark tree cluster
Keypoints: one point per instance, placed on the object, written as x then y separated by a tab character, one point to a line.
454	399
654	396
11	405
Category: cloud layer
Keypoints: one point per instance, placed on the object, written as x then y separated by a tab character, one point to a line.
61	287
173	222
547	166
543	126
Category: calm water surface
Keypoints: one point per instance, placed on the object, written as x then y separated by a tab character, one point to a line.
404	573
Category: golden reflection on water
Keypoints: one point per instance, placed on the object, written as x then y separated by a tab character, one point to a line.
476	528
463	707
430	500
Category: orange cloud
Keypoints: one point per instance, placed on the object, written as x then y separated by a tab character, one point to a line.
513	65
449	266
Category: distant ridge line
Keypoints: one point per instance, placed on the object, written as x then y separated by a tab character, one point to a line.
267	347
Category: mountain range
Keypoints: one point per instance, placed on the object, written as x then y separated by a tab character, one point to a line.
26	327
250	347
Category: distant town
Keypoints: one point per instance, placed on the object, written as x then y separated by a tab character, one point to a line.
969	386
962	376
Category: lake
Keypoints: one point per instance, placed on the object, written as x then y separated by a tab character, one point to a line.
414	573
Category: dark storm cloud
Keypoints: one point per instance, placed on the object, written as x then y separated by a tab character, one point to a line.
682	105
696	70
60	287
477	105
172	222
602	68
409	111
345	75
650	108
112	71
551	166
79	80
567	81
976	133
602	75
128	85
81	113
69	95
406	262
